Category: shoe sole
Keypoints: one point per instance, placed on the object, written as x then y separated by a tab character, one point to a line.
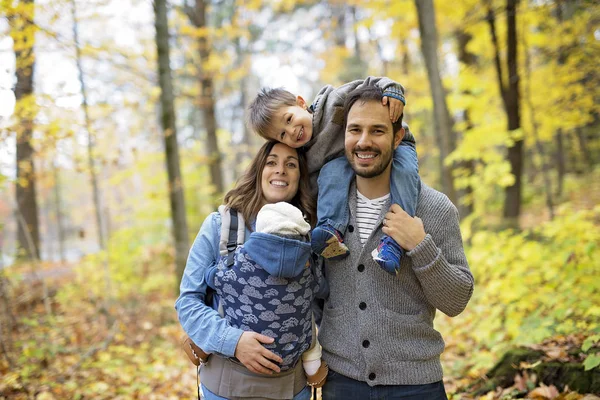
334	249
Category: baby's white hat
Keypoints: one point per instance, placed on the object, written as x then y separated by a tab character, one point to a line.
281	219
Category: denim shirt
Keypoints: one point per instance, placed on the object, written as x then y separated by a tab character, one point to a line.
203	324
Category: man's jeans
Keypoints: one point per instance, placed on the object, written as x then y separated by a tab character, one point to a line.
339	387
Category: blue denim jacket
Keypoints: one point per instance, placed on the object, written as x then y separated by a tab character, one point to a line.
200	321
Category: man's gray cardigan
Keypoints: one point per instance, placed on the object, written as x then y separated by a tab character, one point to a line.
378	328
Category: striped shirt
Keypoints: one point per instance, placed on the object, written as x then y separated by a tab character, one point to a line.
367	214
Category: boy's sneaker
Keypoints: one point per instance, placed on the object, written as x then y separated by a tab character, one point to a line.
388	255
327	242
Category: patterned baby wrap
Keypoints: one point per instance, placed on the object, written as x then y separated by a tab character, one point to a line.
254	300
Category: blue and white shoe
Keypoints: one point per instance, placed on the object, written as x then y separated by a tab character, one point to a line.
388	255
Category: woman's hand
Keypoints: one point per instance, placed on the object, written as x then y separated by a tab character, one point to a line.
254	356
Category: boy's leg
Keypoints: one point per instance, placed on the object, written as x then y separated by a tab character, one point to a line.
405	187
332	209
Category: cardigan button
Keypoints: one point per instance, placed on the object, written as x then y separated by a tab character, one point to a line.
372	376
350	228
362	305
361	267
366	344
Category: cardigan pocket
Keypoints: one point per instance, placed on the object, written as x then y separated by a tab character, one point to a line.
333	335
416	334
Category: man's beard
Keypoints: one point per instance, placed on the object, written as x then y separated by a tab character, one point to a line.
374	170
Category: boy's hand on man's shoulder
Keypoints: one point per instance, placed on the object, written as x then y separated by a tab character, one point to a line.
396	107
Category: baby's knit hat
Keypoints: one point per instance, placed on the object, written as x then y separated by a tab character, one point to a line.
281	219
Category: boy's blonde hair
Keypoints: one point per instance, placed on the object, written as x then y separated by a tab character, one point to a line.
264	106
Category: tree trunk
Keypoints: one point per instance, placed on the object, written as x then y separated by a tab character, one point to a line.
338	11
466	206
177	203
58	213
512	200
535	130
510	100
560	162
90	135
357	52
405	60
442	121
246	150
197	17
26	179
585	150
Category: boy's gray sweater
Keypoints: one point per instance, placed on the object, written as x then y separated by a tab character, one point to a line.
378	328
327	140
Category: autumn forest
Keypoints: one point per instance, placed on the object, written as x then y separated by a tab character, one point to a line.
122	126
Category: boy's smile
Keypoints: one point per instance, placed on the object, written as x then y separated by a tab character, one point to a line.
292	125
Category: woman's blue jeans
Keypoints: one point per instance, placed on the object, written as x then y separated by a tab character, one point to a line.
208	395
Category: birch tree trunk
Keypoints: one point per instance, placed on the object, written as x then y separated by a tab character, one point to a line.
167	118
28	236
443	124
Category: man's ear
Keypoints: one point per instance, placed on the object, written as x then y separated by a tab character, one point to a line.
398	136
300	102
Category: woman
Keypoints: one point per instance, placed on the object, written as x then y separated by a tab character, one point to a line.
277	173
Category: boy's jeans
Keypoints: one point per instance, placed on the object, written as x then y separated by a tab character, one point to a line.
335	178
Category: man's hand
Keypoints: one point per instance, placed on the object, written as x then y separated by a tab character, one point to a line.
396	107
407	231
254	356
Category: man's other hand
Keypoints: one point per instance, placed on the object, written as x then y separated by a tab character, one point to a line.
407	231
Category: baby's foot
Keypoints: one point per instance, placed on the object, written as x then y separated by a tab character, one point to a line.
318	379
328	242
388	255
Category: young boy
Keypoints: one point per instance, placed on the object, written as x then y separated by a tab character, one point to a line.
277	114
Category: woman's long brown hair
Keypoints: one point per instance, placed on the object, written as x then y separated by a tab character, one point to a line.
247	196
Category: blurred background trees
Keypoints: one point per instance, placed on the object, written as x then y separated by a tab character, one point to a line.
97	174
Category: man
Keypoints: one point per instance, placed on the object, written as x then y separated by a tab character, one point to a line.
377	329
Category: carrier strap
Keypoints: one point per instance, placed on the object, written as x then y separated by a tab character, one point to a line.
232	233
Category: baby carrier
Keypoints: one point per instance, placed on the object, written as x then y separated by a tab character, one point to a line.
266	303
266	286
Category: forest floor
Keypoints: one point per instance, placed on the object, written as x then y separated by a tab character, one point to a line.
133	352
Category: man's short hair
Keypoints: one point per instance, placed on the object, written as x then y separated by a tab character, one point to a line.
364	94
264	106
